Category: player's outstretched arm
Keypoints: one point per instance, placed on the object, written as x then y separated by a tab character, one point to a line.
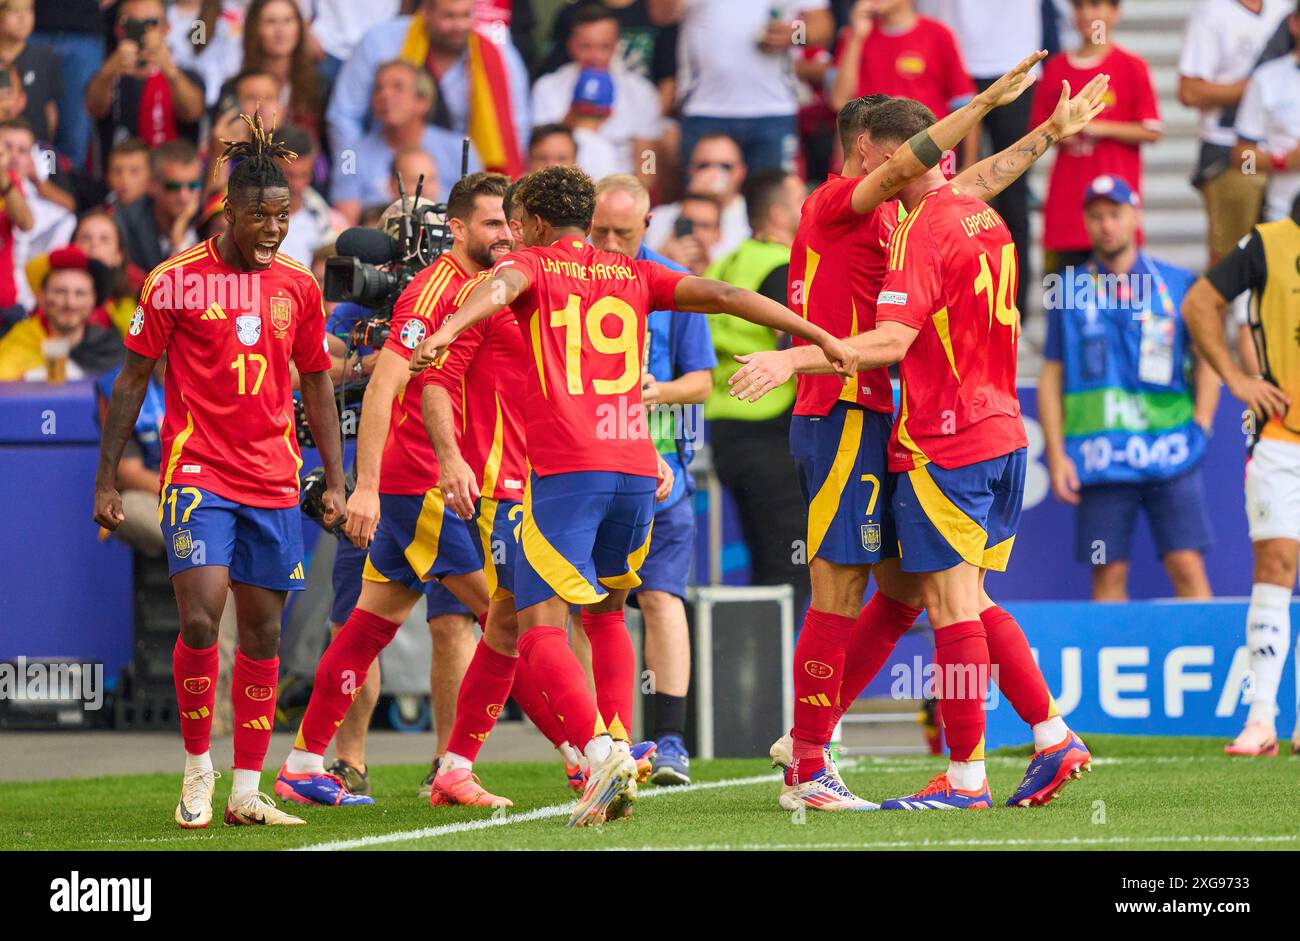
456	480
319	405
1203	311
485	300
989	177
123	409
760	373
706	296
924	150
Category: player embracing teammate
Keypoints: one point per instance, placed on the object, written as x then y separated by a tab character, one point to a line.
860	511
590	496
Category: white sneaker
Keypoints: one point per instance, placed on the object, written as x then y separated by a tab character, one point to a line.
194	809
257	809
824	792
612	783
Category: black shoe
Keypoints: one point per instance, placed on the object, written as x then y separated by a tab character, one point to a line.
358	782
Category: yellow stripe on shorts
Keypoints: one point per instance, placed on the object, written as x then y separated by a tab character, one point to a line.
826	502
966	536
557	571
422	551
630	579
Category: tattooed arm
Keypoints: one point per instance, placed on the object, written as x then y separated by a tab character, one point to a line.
989	177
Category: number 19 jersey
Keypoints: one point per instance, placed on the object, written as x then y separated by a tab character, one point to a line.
583	317
952	276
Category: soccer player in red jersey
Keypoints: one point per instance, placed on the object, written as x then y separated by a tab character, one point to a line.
590	496
398	509
230	313
947	312
840	431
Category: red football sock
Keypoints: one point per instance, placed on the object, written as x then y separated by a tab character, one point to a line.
482	696
195	675
533	702
560	676
613	666
253	694
880	624
339	676
1018	675
818	667
961	654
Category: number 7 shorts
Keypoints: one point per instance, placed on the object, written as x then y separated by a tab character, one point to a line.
261	546
841	462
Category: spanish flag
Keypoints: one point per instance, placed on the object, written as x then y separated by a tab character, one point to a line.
491	121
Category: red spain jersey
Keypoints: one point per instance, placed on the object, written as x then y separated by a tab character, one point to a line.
837	265
229	336
485	372
583	318
410	465
952	276
923	62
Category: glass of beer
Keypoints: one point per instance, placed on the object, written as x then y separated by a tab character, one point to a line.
55	350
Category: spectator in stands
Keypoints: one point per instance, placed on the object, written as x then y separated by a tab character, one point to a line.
593	93
51	208
552	145
74	30
1125	413
677	376
400	104
71	291
750	441
203	36
37	68
140	91
734	73
15	216
100	237
890	50
275	41
311	221
161	224
1268	128
644	49
440	38
413	163
139	469
1111	144
989	54
336	28
717	168
128	171
1223	40
697	231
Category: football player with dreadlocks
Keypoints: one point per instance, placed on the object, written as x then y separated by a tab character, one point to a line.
231	313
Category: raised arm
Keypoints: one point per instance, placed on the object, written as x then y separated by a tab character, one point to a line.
991	176
706	296
926	149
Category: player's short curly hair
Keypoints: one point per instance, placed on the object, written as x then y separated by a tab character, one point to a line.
852	119
897	121
563	196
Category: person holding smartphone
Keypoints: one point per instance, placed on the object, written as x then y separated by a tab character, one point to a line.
140	90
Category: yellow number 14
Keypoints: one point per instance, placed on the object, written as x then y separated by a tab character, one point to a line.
1002	302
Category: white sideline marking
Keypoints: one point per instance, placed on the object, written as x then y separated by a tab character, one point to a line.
958	844
538	813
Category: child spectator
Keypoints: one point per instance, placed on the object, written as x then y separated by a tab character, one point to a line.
1111	145
128	171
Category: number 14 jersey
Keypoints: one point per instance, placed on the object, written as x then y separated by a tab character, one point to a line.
583	317
952	276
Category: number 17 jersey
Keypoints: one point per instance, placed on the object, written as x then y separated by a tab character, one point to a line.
583	317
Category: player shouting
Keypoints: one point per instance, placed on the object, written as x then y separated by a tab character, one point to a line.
947	311
228	506
590	496
840	432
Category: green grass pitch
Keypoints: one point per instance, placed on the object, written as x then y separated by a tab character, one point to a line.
1143	793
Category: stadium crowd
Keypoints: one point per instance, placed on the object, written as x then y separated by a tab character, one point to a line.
710	121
